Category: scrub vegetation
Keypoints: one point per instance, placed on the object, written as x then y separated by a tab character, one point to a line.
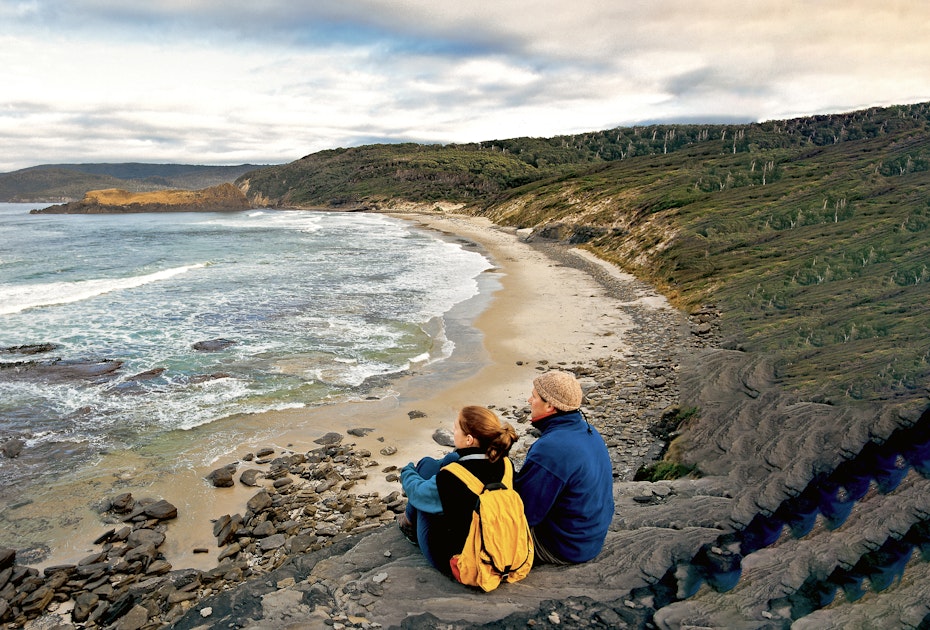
811	236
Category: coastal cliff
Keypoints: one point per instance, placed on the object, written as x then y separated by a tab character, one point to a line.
222	198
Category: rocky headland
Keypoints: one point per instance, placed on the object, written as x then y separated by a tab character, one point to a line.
796	514
222	198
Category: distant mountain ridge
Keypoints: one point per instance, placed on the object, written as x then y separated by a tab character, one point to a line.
62	183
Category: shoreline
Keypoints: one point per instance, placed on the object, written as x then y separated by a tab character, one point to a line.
532	311
524	318
529	309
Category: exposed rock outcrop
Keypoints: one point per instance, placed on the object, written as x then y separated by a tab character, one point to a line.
222	198
60	370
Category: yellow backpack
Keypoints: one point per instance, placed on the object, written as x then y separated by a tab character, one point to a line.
499	547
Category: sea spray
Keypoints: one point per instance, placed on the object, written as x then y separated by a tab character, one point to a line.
322	307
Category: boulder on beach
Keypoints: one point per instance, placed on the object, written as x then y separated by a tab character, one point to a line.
122	503
250	477
223	477
161	510
444	437
329	439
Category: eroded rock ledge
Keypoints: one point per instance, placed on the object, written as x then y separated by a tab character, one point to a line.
222	198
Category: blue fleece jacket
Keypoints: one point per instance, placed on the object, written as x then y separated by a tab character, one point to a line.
566	484
419	482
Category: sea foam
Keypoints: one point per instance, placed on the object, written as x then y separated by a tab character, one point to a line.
15	299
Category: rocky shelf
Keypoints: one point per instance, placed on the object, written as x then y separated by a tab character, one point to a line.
222	198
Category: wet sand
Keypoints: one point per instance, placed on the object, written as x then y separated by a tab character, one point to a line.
531	311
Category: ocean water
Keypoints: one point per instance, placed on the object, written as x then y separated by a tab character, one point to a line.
320	307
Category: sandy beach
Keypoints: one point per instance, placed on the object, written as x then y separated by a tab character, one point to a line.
532	311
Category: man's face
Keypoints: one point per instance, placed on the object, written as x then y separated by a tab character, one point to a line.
538	406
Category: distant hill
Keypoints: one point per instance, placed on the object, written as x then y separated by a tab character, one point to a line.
61	183
363	177
223	198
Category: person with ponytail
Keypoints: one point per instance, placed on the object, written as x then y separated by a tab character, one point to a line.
439	505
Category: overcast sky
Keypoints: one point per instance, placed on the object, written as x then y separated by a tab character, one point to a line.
268	81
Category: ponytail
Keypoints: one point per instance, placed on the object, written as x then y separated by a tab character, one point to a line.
494	436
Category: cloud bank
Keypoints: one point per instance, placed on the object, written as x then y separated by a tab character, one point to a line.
270	81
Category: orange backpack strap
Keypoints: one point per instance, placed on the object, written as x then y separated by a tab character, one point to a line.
508	473
474	484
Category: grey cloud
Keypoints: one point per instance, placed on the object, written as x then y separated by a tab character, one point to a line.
710	80
346	72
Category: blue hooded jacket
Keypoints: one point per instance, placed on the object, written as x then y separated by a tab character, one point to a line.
566	484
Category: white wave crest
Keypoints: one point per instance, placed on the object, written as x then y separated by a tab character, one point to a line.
20	298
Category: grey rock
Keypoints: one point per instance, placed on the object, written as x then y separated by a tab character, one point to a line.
134	619
84	604
250	477
230	551
12	448
28	349
265	528
213	345
444	437
7	558
161	510
122	503
60	370
144	536
38	600
259	501
273	542
329	439
223	477
702	329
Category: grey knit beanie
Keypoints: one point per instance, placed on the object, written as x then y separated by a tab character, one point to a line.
560	389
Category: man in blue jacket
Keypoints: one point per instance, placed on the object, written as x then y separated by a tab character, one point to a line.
566	482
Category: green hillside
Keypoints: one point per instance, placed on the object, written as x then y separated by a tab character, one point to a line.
812	236
362	177
825	265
